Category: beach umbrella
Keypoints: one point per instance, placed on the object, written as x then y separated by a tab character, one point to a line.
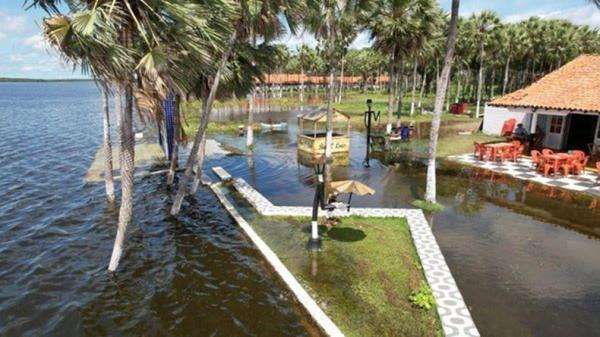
352	187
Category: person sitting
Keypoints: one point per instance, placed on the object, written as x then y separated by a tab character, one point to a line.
520	133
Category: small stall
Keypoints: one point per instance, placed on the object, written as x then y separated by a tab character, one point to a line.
313	140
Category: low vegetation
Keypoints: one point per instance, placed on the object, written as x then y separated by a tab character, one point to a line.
367	278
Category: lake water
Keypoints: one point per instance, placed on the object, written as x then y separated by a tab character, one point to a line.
196	275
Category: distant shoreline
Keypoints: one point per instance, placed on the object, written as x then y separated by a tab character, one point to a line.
9	80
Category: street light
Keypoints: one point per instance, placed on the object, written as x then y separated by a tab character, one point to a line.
314	243
367	119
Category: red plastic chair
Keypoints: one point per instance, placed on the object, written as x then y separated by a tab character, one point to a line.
579	165
508	127
480	151
517	153
547	152
536	158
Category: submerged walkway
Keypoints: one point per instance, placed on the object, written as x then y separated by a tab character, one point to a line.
454	315
523	169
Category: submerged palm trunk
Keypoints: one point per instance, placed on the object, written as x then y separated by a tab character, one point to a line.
127	157
442	86
202	129
109	182
249	129
127	160
201	155
175	148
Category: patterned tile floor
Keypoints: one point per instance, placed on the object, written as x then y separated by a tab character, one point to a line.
524	170
454	314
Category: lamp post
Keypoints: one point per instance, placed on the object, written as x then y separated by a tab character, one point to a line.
314	243
367	119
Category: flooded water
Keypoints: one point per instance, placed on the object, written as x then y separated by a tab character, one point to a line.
196	275
525	256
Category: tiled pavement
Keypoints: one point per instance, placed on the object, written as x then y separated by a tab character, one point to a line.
454	314
524	170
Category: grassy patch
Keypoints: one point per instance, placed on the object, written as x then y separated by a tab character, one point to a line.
423	297
428	206
365	276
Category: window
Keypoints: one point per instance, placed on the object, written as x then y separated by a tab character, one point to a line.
556	124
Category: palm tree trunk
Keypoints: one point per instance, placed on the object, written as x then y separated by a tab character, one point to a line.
442	85
127	160
109	181
339	99
391	89
249	127
414	88
492	82
202	129
329	127
457	97
301	87
479	82
201	153
422	90
505	81
175	148
400	90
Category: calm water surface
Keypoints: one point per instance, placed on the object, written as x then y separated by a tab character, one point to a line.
196	275
525	256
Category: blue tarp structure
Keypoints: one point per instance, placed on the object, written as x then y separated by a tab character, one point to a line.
166	132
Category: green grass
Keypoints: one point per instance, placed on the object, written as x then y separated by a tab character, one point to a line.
367	278
428	206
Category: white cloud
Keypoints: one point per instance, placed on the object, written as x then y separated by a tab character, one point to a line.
11	24
582	15
36	42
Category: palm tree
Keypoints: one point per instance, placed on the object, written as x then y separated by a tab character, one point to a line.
326	20
399	29
254	20
483	25
442	86
304	56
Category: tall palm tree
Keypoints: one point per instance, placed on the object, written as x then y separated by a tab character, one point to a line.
483	24
442	86
327	19
399	28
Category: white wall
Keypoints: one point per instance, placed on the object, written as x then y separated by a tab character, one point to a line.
494	118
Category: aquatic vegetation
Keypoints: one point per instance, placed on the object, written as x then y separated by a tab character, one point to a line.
428	206
422	297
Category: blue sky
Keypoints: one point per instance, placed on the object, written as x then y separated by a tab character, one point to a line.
24	54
